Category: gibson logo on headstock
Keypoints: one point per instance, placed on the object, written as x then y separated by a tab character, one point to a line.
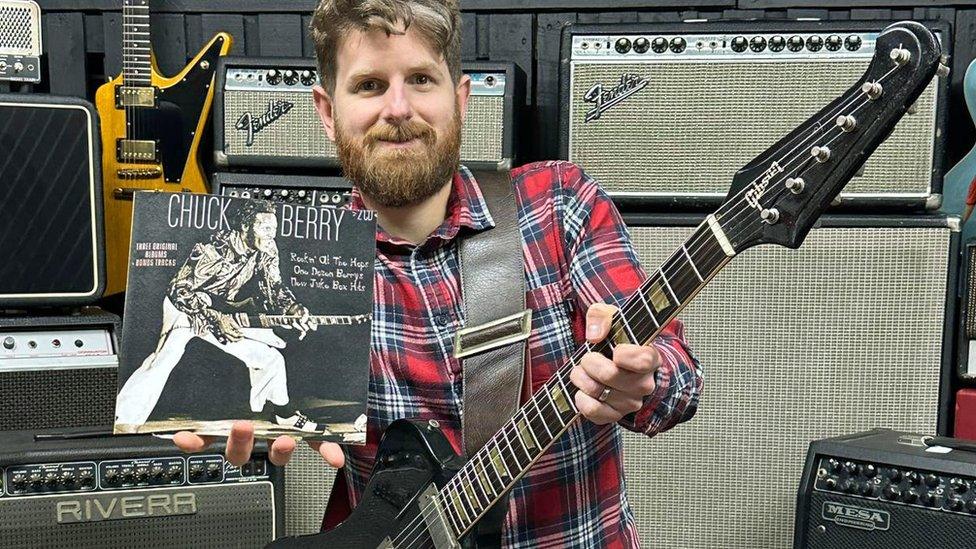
604	99
759	187
247	123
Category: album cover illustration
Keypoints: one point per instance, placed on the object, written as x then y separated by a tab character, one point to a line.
246	309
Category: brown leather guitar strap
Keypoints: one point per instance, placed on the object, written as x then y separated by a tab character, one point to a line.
497	324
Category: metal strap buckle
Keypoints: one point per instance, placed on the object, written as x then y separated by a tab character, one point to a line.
494	334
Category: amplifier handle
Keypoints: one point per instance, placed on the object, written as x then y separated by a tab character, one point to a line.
948	442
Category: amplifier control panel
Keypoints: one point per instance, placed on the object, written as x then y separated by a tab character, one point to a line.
311	197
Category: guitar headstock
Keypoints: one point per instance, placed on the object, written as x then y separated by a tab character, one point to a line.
778	196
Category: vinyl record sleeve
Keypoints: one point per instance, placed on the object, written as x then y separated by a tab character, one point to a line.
219	291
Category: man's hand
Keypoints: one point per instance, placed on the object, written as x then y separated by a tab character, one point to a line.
303	323
629	376
224	328
241	442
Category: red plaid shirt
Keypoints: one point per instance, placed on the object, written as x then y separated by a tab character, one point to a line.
576	252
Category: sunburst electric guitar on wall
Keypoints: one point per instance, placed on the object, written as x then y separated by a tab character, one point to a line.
421	494
151	130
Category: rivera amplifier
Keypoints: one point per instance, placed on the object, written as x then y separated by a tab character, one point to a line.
58	371
20	41
265	117
295	189
132	491
51	230
848	332
885	489
665	114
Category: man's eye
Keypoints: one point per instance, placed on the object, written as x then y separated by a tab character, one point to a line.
369	85
422	79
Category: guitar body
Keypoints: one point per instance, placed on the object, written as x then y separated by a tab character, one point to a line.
958	180
176	125
411	456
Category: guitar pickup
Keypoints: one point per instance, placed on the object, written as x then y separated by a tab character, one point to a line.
136	96
136	151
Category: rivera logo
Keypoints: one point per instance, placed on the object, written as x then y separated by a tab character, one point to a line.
605	99
247	123
101	508
856	517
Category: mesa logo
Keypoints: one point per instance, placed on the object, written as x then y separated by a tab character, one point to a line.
856	517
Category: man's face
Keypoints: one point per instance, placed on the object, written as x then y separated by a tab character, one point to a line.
261	235
395	116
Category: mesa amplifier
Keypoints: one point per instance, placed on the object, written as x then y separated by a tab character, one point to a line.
20	41
294	189
850	331
666	114
132	491
51	229
58	371
885	489
264	115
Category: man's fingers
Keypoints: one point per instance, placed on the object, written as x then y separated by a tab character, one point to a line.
605	372
594	410
191	443
598	321
623	402
637	358
330	452
240	443
281	450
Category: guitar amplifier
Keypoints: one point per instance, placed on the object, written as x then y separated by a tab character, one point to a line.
264	115
665	114
885	489
294	189
850	331
132	491
58	371
20	41
53	244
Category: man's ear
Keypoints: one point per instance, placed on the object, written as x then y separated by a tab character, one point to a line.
462	93
323	106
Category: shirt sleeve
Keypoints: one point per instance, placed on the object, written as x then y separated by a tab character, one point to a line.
604	268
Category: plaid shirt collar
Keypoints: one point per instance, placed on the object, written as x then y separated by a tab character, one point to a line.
466	208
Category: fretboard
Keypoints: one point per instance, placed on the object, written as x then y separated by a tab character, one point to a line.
493	470
136	48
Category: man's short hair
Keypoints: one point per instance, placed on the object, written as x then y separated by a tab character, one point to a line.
437	21
248	212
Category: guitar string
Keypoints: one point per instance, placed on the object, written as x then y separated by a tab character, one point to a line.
469	475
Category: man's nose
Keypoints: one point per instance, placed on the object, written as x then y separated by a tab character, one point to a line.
397	107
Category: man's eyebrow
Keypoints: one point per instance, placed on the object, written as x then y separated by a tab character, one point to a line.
367	73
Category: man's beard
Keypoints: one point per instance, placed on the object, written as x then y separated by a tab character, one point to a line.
397	177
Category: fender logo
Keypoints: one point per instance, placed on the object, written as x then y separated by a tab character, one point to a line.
605	99
247	123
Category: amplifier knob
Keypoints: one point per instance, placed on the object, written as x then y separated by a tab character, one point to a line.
157	472
622	45
739	44
641	45
955	504
777	43
68	478
894	475
848	486
284	194
302	194
213	471
9	343
196	471
51	479
814	43
128	475
850	467
291	77
268	193
795	43
834	466
175	472
869	471
111	476
891	492
659	45
931	480
86	479
959	485
834	42
35	479
928	498
913	478
910	496
19	481
971	506
308	77
867	490
757	44
852	43
142	474
273	77
678	44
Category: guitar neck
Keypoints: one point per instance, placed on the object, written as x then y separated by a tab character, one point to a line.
136	46
493	470
272	321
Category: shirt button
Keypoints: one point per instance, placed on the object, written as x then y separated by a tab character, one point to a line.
441	320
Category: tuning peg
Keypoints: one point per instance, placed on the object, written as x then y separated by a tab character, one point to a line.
795	185
769	215
822	154
846	122
942	71
900	56
872	89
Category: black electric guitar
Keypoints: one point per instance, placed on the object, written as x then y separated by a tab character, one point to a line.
422	494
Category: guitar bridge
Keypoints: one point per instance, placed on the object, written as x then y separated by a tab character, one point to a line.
136	151
136	96
139	173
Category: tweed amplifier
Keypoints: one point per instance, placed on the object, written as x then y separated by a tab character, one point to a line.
53	245
294	189
132	491
665	114
265	117
885	489
58	371
848	332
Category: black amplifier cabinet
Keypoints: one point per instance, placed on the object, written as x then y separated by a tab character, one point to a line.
58	370
264	115
885	489
51	193
293	189
132	491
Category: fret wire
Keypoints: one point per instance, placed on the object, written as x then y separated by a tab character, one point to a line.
542	416
457	497
555	408
485	477
628	329
501	460
528	427
472	499
453	519
568	397
647	306
692	263
474	479
668	286
522	442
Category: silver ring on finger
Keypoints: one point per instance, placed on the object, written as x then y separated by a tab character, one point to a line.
605	394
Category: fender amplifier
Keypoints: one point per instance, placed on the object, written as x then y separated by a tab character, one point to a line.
51	230
665	114
885	489
294	189
132	491
264	115
58	371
